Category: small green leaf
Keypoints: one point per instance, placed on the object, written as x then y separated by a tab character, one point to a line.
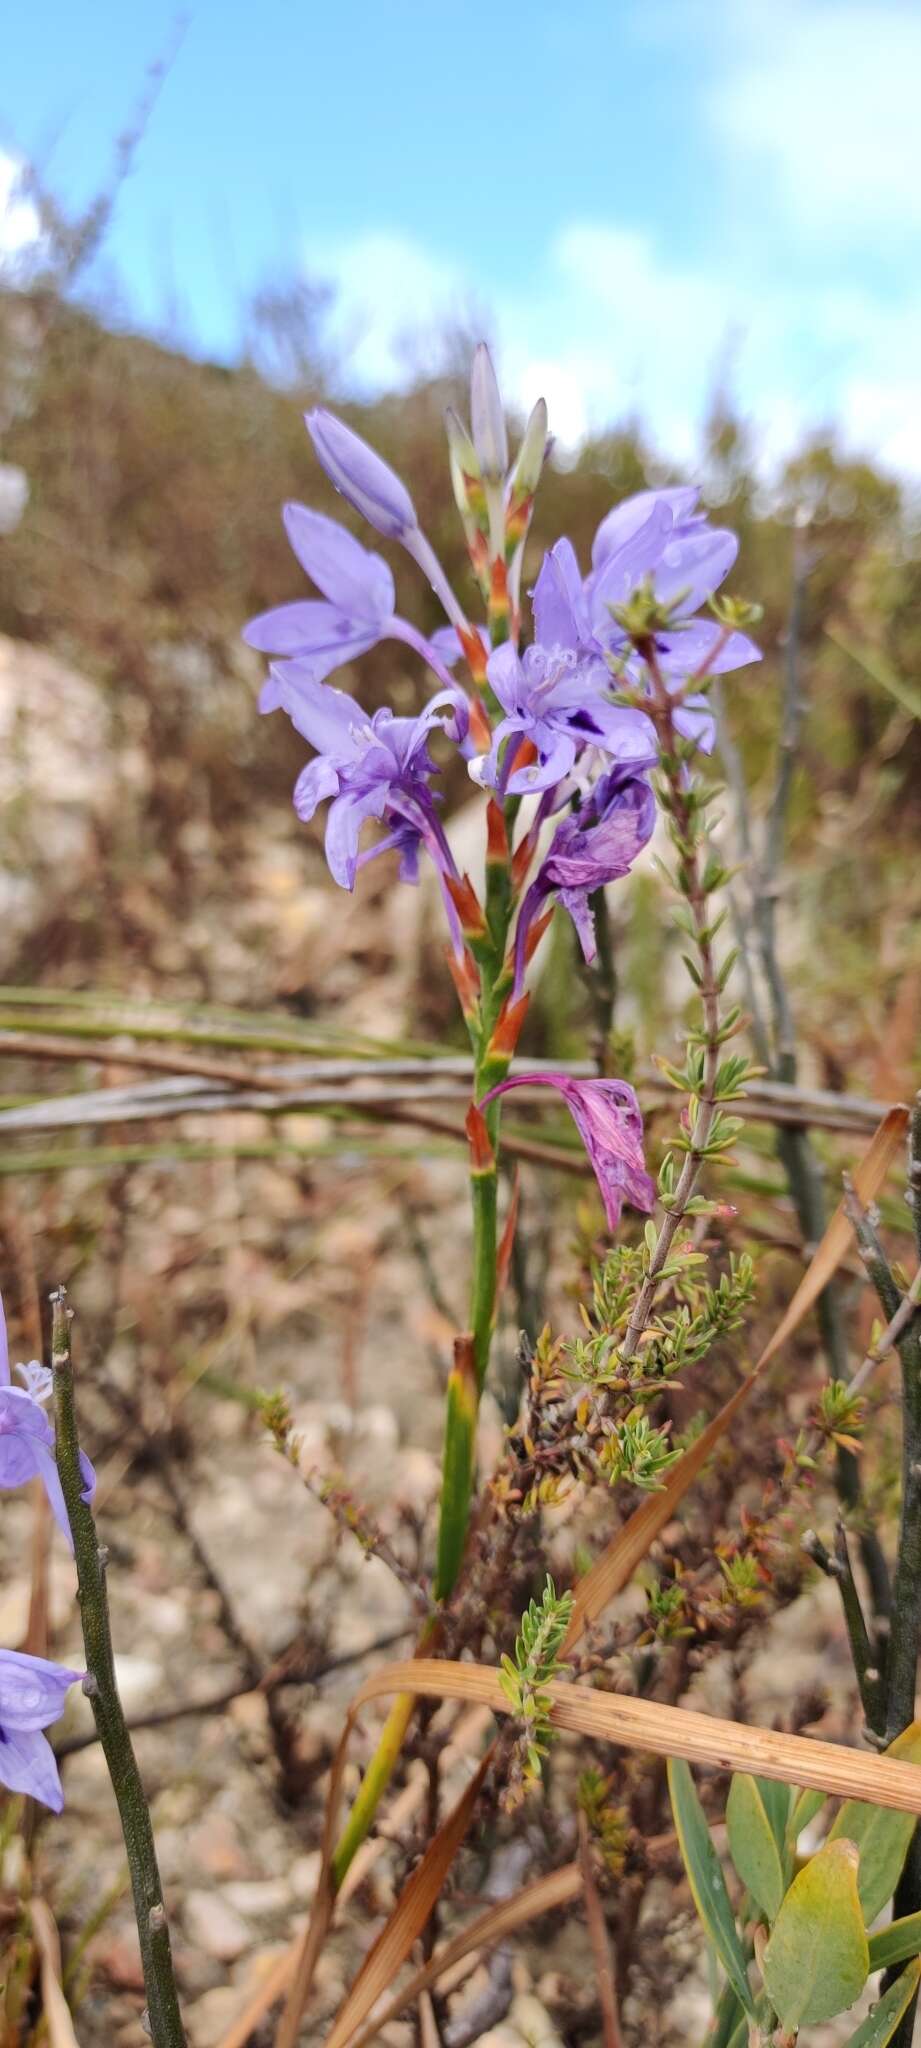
753	1845
807	1806
882	1836
777	1800
880	2024
896	1943
706	1879
816	1962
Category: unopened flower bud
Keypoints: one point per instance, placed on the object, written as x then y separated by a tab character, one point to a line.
363	478
529	461
487	417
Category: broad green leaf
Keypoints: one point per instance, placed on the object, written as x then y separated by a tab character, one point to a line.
753	1844
881	1835
807	1806
706	1879
880	2024
816	1962
895	1943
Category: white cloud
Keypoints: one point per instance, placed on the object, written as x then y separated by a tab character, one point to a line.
395	301
824	98
19	222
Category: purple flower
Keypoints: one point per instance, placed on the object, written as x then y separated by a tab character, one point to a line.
373	767
355	612
556	697
660	538
590	847
26	1435
33	1693
610	1124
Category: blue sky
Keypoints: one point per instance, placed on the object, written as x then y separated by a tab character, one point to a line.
636	196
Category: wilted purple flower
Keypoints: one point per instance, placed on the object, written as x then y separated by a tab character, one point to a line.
354	613
610	1124
26	1435
33	1694
556	697
590	847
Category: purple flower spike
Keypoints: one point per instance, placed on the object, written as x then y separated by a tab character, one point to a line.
32	1695
591	847
26	1435
610	1124
363	478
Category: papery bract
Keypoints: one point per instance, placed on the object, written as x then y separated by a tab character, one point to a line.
610	1124
33	1694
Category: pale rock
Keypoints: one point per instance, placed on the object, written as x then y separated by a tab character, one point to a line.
215	1846
215	1926
254	1896
139	1679
304	1874
212	2016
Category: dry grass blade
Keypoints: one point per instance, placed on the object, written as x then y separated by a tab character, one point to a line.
615	1567
543	1896
600	1942
669	1731
415	1904
55	2009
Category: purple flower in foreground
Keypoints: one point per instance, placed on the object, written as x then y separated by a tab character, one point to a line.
33	1693
590	847
373	767
657	537
610	1124
556	698
26	1435
355	611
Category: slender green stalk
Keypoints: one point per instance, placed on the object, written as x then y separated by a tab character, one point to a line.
165	2020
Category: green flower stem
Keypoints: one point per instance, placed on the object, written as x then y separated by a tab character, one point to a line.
166	2028
484	1196
471	1359
457	1470
377	1776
